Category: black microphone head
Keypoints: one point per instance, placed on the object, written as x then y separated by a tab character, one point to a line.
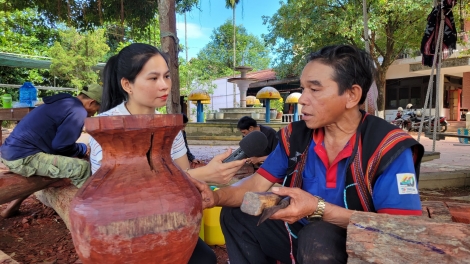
254	144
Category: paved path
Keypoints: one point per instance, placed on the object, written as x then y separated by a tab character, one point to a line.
454	156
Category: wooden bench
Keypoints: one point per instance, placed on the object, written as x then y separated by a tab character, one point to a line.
443	136
428	156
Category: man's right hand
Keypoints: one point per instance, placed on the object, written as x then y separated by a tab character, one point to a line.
87	153
208	196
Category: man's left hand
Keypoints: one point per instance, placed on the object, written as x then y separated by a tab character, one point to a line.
207	194
302	204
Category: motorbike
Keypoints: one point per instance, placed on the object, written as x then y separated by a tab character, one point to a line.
399	121
442	123
412	122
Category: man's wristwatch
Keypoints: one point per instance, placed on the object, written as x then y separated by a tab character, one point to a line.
318	214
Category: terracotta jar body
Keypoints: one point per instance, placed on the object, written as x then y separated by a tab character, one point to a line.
138	207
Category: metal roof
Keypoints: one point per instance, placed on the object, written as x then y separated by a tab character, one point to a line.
39	87
35	62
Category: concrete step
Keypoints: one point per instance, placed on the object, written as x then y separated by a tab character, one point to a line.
452	126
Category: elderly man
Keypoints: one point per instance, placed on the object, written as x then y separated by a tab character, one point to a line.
336	160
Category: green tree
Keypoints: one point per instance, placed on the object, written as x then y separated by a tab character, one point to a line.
194	75
25	32
89	14
116	42
75	55
302	26
215	58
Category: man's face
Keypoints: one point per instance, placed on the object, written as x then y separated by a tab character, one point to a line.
321	104
246	131
91	108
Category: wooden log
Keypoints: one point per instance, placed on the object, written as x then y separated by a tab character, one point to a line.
58	199
460	212
255	202
436	210
383	238
14	186
5	259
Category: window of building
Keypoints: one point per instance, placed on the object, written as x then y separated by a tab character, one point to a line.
400	92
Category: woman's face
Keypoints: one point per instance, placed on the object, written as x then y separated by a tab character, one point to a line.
151	85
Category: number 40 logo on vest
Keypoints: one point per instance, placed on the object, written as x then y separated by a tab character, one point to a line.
406	183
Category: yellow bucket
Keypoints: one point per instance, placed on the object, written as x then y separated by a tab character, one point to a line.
212	231
201	230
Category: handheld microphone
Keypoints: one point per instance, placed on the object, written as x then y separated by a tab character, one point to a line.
252	145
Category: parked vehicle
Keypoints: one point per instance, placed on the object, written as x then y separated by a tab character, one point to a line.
410	120
398	119
399	122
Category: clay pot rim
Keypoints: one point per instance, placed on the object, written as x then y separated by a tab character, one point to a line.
133	122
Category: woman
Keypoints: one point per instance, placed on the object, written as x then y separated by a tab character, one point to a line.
136	81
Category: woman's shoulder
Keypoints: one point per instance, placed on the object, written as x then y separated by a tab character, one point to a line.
117	110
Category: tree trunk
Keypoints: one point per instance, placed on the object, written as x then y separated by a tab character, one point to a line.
100	14
69	13
168	38
122	21
58	199
381	83
383	238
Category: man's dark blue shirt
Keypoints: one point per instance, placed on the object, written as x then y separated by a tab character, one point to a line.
51	128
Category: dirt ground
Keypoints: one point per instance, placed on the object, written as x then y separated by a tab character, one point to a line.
38	235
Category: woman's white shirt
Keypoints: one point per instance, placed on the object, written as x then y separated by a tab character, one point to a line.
178	148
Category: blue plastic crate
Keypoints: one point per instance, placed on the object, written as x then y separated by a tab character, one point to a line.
463	131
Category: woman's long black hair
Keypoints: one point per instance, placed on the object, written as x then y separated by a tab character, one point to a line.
127	64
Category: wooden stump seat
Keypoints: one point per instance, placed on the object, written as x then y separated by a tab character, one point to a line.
14	186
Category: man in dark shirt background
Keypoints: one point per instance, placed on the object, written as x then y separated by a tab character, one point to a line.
44	142
246	125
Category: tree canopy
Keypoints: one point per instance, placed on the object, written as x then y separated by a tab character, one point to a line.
75	55
89	14
303	26
25	32
216	58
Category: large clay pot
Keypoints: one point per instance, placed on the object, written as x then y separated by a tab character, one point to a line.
138	207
